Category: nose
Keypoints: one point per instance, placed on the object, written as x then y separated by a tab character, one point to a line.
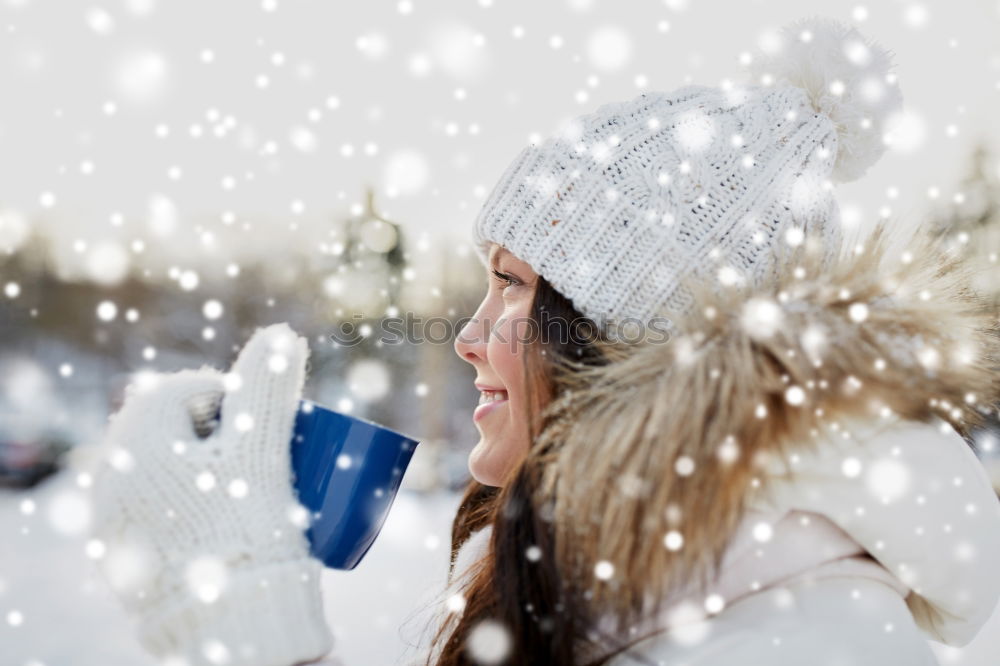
470	343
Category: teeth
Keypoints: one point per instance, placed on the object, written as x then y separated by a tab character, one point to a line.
491	396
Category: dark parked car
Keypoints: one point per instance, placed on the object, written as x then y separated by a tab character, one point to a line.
29	452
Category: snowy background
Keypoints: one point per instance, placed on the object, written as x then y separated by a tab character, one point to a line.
176	173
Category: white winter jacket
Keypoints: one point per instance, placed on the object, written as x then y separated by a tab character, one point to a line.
883	540
877	544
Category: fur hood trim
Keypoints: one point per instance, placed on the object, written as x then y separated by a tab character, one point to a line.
678	435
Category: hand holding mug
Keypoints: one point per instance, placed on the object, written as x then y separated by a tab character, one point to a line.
204	535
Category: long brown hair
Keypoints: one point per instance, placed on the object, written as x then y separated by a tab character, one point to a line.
529	598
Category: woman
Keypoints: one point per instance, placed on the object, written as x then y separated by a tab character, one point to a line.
737	445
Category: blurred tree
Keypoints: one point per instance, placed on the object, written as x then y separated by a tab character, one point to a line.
375	245
972	221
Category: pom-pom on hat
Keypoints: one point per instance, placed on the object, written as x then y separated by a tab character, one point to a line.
847	78
621	205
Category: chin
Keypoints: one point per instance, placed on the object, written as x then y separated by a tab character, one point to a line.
482	471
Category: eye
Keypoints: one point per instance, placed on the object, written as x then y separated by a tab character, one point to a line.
504	279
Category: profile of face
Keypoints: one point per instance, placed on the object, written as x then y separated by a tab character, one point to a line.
494	342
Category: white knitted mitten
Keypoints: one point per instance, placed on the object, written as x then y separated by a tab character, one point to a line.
204	537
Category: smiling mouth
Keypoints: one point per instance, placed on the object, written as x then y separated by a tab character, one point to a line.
487	396
488	401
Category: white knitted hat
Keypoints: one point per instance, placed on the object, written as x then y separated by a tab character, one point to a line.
620	204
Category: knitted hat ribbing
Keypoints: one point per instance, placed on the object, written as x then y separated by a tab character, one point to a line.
620	204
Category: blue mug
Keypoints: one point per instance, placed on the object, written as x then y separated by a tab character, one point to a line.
346	472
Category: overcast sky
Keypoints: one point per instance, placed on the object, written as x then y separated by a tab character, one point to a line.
146	119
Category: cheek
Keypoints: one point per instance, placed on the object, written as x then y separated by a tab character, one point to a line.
505	351
502	357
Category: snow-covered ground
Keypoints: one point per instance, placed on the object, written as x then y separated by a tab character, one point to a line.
56	611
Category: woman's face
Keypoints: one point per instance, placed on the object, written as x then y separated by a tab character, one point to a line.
494	342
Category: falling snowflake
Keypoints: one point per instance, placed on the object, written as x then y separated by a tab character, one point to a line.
406	172
763	531
369	380
69	512
694	131
489	642
107	263
243	422
142	76
206	577
794	395
604	570
107	311
212	309
238	488
609	48
761	317
673	540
